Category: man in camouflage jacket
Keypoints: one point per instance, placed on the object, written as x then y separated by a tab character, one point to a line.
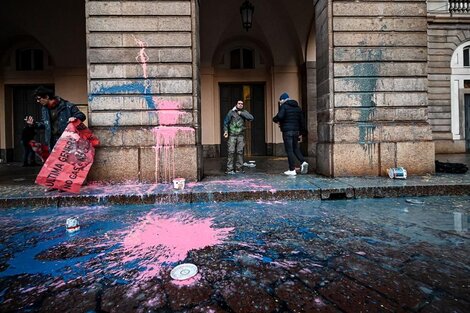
234	130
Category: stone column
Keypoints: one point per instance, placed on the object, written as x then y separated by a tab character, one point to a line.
311	110
143	92
372	88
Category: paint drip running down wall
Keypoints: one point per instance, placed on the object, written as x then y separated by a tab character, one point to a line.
166	138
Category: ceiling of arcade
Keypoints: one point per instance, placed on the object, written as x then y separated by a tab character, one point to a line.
55	25
280	29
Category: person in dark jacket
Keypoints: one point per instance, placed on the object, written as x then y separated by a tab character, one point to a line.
291	120
234	130
27	135
56	114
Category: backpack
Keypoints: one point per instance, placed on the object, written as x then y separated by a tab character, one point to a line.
454	168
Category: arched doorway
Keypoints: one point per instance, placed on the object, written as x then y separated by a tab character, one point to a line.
27	65
460	94
278	65
35	53
253	98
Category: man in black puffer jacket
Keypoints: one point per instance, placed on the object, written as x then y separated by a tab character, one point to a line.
290	119
56	114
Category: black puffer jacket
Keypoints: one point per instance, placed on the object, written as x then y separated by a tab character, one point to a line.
290	117
65	110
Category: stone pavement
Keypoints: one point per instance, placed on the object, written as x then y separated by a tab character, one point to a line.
265	181
364	252
360	255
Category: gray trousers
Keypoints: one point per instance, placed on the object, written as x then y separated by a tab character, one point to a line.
236	144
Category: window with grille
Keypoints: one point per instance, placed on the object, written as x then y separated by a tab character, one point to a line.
29	59
242	59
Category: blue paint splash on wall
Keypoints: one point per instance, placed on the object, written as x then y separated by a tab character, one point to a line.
140	88
116	123
367	87
366	132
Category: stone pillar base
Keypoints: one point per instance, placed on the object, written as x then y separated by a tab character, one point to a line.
119	164
349	159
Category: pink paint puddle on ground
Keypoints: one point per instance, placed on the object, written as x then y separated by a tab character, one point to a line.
157	240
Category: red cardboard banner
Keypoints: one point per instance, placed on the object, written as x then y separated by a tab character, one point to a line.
69	162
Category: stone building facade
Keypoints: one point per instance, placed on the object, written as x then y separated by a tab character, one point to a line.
143	89
449	74
157	77
372	90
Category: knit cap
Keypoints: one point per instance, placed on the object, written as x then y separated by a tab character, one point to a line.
284	97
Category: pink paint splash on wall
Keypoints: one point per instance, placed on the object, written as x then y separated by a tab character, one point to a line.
157	240
142	56
169	117
166	104
165	142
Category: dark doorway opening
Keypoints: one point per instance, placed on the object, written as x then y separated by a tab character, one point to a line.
23	104
253	98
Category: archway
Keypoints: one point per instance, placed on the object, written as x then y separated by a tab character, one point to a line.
37	53
460	93
280	57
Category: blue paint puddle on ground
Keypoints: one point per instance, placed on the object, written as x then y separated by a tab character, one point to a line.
307	233
248	237
262	233
266	259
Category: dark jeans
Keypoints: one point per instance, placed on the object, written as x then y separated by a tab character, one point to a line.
28	156
236	144
53	141
291	144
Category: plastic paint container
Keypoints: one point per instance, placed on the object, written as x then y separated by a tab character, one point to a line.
250	164
72	224
397	172
178	183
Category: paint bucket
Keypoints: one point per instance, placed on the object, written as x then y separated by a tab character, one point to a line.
178	183
250	164
72	224
397	172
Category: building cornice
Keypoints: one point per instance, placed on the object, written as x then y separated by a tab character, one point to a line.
449	19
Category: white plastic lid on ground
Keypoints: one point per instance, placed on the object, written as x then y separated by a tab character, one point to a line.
183	271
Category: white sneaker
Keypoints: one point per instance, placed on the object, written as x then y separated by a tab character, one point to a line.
304	168
290	173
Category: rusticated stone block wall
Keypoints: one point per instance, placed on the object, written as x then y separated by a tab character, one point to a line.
324	41
311	97
142	90
374	113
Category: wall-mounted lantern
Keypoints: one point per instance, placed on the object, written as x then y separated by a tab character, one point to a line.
246	11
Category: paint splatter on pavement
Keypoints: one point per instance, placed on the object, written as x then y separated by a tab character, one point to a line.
281	256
